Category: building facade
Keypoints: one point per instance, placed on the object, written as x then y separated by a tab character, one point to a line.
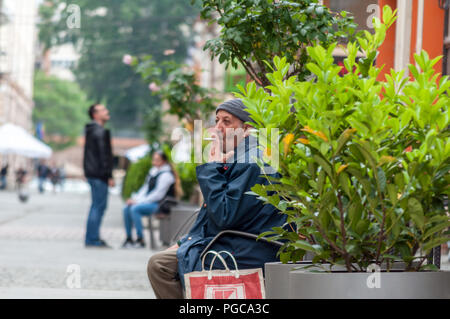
62	61
17	55
17	52
421	25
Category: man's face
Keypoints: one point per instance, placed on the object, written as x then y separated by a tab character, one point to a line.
101	113
231	128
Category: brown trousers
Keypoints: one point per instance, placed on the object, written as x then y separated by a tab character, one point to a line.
162	271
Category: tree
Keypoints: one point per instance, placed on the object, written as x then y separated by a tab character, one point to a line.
111	29
253	32
61	106
178	85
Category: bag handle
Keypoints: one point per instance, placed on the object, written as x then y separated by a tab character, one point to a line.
231	256
217	254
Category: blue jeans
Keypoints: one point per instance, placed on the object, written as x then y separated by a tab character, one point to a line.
2	182
41	184
99	194
132	214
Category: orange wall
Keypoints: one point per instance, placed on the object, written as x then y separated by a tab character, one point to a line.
433	31
433	35
412	49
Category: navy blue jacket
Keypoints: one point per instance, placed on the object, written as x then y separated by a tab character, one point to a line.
228	207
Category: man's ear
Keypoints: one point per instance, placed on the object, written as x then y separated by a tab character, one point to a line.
247	129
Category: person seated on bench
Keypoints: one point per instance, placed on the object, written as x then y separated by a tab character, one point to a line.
161	181
224	181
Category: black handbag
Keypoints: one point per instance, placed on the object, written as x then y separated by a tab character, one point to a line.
165	206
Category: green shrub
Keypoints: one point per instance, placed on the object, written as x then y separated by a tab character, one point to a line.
135	176
365	164
188	177
186	172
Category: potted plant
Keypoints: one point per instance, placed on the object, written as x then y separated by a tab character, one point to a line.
365	167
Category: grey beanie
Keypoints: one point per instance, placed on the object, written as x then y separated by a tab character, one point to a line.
237	108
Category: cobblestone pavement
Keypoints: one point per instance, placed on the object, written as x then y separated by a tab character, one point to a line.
42	251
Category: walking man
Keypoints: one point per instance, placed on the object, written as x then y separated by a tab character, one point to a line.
43	172
3	175
98	165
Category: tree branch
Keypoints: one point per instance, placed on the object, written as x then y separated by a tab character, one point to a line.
344	233
380	238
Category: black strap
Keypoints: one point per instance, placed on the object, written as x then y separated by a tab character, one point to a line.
152	182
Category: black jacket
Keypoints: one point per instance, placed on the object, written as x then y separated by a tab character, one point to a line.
98	157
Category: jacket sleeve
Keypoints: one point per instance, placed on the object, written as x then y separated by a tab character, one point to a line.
104	153
226	202
137	196
142	191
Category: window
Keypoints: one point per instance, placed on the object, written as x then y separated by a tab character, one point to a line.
362	10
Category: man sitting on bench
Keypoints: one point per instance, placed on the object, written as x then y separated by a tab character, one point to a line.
230	172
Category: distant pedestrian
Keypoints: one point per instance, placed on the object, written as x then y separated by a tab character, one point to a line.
98	165
54	175
21	179
3	174
448	254
62	177
21	175
42	172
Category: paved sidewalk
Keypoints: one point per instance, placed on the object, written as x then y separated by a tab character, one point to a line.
42	251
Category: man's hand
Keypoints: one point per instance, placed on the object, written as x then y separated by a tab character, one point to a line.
174	247
111	182
215	153
218	156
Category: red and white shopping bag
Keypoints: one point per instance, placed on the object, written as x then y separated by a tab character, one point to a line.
224	284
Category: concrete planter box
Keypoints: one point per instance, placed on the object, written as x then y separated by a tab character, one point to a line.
393	285
179	215
277	279
284	282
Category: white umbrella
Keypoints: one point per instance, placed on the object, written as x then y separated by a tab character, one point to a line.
138	152
16	140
